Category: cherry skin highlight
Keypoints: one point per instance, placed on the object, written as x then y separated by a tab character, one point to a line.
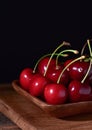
42	66
25	78
54	72
37	85
78	70
55	94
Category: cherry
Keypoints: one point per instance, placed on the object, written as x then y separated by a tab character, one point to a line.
78	70
38	81
25	78
42	66
55	94
52	78
54	72
88	75
67	62
79	91
45	62
82	68
37	85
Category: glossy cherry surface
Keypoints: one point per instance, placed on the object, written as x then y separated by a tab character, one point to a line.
78	70
53	74
67	62
79	91
25	78
58	83
37	85
42	66
55	94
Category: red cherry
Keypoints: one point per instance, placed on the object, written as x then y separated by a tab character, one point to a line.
78	70
46	62
79	91
37	85
55	94
54	72
42	66
67	62
25	78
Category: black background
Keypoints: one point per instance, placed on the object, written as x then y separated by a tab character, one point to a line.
31	29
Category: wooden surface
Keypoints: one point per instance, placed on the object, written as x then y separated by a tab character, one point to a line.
59	111
6	124
27	116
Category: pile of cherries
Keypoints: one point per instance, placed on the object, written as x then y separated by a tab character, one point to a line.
58	82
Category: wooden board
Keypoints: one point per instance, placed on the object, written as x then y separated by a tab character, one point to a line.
29	117
6	124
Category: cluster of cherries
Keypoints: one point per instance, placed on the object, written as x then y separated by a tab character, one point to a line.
58	82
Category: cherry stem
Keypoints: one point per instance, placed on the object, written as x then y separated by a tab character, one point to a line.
68	50
64	43
90	50
82	51
89	63
65	68
87	73
63	55
40	60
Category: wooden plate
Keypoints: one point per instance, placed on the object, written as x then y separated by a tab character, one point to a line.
64	110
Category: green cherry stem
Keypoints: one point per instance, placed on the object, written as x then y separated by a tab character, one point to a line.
64	51
64	43
63	55
82	51
65	68
40	60
90	63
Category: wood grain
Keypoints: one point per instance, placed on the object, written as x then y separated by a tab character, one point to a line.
30	117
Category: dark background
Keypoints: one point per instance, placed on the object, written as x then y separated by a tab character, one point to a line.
31	29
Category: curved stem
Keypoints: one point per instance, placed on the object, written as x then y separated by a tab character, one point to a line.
82	51
40	60
64	43
87	72
90	63
79	58
68	50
